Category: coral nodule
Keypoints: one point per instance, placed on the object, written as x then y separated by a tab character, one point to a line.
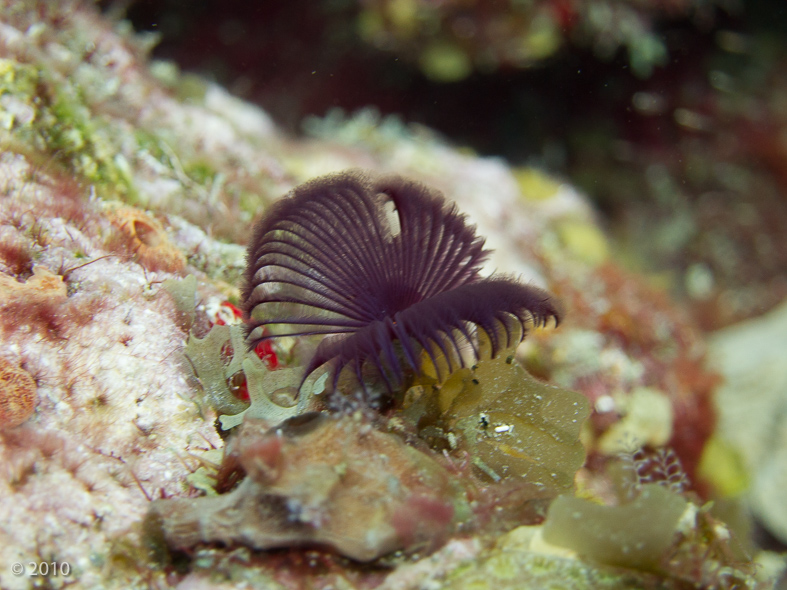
389	271
18	395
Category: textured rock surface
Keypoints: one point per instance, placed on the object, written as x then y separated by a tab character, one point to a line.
315	480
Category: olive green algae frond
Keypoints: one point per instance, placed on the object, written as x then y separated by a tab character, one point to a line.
660	532
514	425
633	535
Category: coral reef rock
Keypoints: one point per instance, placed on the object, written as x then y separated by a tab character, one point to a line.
316	480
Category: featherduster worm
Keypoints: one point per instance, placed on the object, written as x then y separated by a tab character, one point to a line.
387	271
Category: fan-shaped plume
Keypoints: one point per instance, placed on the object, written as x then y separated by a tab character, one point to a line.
370	262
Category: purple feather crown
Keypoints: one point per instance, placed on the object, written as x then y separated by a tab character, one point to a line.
386	270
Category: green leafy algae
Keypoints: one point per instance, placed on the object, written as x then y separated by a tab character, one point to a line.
215	359
634	535
273	395
511	424
221	362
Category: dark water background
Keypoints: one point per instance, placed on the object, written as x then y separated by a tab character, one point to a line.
685	158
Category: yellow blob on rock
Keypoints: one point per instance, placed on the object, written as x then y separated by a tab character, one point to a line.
584	240
44	284
147	239
18	396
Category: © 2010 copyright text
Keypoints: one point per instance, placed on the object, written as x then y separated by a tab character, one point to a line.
41	568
